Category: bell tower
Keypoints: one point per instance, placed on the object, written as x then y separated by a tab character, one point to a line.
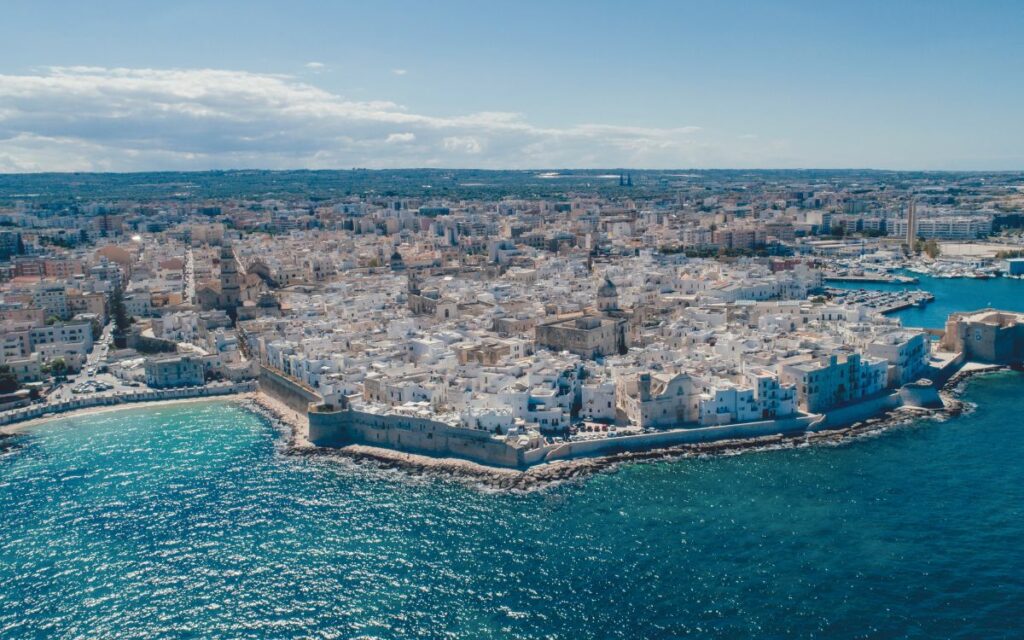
230	279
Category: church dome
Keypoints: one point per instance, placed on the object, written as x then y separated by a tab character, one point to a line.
396	261
607	289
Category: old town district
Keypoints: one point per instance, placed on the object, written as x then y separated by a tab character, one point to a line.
502	334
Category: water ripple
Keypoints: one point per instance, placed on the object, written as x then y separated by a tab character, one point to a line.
189	522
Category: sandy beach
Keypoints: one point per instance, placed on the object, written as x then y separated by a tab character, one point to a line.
18	427
295	425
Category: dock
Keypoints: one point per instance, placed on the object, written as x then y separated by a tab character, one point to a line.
882	278
883	302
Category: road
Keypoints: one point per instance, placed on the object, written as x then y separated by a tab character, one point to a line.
94	359
190	278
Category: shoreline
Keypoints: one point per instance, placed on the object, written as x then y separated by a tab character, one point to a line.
18	427
542	476
290	422
294	427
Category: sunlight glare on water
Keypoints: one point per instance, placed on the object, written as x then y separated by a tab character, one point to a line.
189	521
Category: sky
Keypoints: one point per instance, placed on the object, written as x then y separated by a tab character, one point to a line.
147	85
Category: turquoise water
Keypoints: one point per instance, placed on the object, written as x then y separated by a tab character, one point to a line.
951	294
186	521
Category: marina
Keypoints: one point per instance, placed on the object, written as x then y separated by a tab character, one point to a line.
886	278
883	302
952	295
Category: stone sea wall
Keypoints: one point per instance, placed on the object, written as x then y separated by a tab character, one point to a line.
410	434
675	437
288	390
340	428
848	415
424	436
923	393
940	375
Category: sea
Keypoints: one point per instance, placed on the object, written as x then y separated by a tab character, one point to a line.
191	521
951	294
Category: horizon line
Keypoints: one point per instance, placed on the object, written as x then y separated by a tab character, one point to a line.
509	170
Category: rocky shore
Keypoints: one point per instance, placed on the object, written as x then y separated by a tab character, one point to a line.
291	423
955	386
294	427
554	473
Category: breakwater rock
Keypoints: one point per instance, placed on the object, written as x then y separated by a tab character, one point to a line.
576	470
482	477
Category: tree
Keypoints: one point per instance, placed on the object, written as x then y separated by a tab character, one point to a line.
120	314
8	380
931	247
97	329
57	368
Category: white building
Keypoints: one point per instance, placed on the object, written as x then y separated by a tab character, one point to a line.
945	227
835	380
174	371
907	353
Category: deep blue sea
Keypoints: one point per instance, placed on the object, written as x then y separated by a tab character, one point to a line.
187	521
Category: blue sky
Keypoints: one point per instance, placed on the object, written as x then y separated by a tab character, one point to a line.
194	85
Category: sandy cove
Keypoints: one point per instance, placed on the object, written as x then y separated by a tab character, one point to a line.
18	427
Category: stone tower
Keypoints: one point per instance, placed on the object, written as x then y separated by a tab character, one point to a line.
230	280
912	224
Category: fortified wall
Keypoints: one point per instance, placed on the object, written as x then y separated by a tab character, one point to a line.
987	335
331	426
287	389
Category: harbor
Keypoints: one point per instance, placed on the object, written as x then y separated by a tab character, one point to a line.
883	302
886	278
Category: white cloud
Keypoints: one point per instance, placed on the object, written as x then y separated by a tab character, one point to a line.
398	138
462	144
118	119
315	65
399	72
